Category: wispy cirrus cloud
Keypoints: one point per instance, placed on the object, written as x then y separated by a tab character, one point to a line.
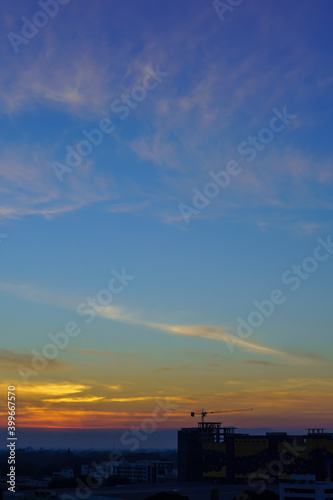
262	363
120	314
220	334
52	389
81	76
129	207
83	399
33	292
29	186
135	399
78	81
10	359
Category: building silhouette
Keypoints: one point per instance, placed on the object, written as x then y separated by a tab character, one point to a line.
211	452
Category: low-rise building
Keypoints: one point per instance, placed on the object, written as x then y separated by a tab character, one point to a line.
64	473
143	471
305	487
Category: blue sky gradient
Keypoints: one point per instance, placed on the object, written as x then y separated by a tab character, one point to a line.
164	334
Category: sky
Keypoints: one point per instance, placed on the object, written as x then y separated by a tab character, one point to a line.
166	213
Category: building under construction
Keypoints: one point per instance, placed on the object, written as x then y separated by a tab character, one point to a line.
211	452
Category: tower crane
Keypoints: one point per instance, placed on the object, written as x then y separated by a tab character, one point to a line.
204	413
